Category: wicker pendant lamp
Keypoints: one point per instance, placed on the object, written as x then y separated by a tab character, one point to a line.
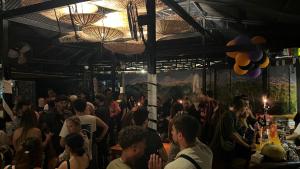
83	19
30	2
165	27
83	14
102	33
122	4
126	48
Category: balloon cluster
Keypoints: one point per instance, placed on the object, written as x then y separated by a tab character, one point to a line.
250	62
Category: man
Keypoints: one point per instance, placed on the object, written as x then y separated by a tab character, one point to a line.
193	154
89	124
153	141
132	142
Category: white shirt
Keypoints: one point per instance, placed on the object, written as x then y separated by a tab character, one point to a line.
297	130
88	124
88	127
201	153
117	164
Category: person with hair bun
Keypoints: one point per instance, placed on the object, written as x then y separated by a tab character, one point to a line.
78	157
29	156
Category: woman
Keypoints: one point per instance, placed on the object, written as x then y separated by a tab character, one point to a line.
29	156
78	157
28	128
228	143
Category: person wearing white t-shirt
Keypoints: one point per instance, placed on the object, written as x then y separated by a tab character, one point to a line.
295	135
89	123
193	154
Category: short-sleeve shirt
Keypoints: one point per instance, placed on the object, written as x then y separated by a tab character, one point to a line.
117	164
297	130
88	127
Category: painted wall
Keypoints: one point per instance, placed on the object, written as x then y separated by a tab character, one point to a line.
282	89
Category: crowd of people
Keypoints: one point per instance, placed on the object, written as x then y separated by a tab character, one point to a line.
76	132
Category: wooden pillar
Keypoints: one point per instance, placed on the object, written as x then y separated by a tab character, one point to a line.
113	77
151	63
298	85
265	81
6	113
215	83
204	84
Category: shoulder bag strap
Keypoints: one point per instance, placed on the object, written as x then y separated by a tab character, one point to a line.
190	160
68	164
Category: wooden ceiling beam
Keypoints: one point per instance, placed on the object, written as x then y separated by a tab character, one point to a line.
38	7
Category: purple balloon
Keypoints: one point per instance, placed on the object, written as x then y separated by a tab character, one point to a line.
256	55
255	73
242	40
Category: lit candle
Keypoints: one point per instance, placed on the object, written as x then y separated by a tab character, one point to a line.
264	98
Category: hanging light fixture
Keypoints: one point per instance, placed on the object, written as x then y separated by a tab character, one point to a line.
84	19
127	48
122	4
83	14
166	26
30	2
102	33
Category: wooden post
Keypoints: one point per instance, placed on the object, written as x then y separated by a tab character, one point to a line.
298	85
151	58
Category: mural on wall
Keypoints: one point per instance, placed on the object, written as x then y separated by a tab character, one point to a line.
189	83
172	84
283	98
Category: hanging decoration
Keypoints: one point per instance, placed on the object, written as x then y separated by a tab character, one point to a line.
102	33
250	62
82	19
83	14
168	26
127	48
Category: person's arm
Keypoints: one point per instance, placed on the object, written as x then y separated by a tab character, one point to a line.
238	139
292	136
63	165
14	138
295	134
102	125
63	133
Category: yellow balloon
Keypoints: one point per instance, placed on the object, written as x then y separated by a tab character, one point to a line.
266	63
238	70
231	54
242	59
258	40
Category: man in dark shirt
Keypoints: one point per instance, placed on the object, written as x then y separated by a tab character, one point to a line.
153	142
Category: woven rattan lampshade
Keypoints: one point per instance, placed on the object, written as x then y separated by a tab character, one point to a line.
30	2
71	37
165	27
127	48
84	19
141	5
123	3
102	33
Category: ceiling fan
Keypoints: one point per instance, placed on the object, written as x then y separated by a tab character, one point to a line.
20	52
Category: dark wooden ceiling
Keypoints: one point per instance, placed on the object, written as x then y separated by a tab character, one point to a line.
278	21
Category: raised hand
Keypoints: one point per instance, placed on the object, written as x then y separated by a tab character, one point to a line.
155	162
